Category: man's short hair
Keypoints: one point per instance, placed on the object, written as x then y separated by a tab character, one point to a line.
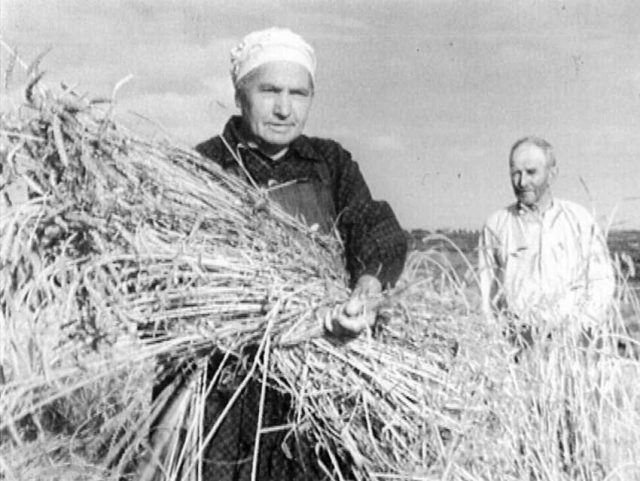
539	142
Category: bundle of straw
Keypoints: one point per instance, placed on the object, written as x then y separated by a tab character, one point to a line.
122	236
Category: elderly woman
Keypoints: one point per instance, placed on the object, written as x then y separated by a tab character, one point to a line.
273	72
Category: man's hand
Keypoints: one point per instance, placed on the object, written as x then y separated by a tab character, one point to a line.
358	312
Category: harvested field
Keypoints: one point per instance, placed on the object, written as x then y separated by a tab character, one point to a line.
123	236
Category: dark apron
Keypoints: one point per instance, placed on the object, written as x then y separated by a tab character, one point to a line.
283	456
309	200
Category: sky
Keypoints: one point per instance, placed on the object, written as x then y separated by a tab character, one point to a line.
428	96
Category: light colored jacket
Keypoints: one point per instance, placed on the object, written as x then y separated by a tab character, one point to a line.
547	266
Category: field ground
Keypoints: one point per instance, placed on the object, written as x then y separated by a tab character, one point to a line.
500	419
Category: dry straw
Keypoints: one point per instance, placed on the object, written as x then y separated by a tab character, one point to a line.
130	249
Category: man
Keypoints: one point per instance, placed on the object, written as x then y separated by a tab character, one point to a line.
543	260
273	72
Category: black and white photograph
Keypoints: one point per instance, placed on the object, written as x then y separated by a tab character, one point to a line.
363	240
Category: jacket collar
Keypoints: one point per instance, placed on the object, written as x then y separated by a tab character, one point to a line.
526	213
299	148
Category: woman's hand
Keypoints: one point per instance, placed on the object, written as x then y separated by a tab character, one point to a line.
359	312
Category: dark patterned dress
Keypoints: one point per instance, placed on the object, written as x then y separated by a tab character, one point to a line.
324	186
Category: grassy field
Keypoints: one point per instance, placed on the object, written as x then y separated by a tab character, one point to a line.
130	249
438	386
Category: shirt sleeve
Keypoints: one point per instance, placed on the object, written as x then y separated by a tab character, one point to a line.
488	269
591	283
600	277
375	243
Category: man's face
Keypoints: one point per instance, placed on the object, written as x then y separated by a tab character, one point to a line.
531	175
275	100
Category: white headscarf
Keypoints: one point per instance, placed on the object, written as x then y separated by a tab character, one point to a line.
269	45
